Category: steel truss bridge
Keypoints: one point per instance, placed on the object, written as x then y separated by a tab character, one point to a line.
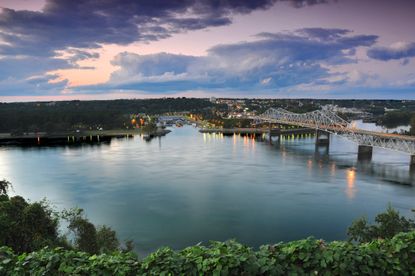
330	122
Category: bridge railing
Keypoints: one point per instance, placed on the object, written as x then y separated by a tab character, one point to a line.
331	122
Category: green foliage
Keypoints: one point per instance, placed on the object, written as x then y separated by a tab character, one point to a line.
149	128
27	226
4	187
387	225
236	123
396	118
107	240
395	256
86	237
412	123
18	118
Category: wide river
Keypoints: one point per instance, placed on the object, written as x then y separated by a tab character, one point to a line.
189	187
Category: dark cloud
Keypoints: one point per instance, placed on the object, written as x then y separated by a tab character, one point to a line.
402	50
87	23
154	65
302	3
33	86
22	68
30	41
274	61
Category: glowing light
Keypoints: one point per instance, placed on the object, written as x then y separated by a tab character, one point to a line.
309	164
351	179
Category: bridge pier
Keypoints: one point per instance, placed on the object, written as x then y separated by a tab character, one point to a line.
364	153
322	138
276	132
412	163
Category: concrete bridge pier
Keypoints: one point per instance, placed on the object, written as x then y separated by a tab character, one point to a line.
364	153
412	163
274	132
322	138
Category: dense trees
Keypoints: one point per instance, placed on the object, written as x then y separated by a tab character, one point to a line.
236	123
387	225
396	118
412	124
70	115
26	227
18	118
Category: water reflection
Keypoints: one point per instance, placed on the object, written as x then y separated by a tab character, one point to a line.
333	168
373	127
209	187
309	164
351	179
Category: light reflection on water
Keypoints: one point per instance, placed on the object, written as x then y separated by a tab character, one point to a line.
351	178
189	187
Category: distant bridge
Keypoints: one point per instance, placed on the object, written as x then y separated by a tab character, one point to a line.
330	122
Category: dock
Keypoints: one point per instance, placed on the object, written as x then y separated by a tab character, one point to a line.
73	137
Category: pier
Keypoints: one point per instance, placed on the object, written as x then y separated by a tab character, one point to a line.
72	137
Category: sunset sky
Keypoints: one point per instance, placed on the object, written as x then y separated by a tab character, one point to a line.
89	49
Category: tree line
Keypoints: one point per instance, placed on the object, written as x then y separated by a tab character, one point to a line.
71	115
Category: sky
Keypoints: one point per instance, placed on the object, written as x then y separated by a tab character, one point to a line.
109	49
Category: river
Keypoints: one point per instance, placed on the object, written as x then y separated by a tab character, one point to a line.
190	187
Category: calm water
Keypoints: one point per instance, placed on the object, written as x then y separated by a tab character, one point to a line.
190	187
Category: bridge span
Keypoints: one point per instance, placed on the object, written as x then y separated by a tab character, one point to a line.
329	122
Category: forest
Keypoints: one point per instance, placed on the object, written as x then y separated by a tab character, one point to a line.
71	115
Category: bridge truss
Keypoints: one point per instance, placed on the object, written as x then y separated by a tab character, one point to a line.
330	122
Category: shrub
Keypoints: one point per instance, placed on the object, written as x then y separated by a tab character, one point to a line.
394	256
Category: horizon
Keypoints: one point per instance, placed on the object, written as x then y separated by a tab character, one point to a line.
205	98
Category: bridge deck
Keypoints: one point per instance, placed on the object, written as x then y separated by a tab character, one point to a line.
256	130
337	129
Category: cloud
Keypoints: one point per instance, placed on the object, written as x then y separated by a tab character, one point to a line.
88	23
274	61
399	50
34	85
24	67
63	32
302	3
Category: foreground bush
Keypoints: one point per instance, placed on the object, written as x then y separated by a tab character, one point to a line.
395	256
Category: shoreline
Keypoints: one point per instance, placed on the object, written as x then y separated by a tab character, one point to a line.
73	137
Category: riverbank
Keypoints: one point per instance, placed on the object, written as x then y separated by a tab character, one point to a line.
75	137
